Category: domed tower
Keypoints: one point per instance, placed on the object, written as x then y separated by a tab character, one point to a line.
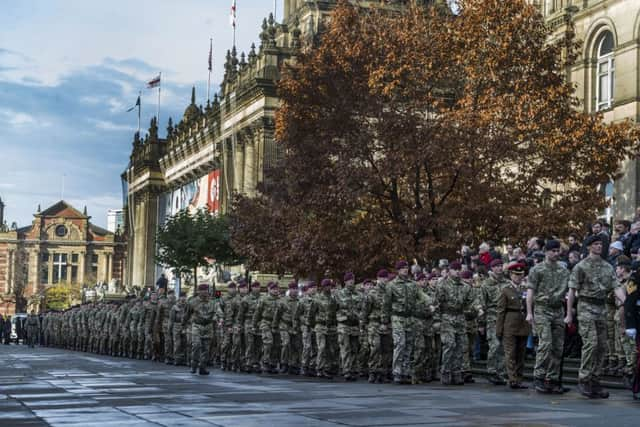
192	111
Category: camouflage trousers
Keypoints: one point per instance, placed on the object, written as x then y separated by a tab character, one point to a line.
614	349
252	344
348	342
453	337
627	345
550	330
592	324
166	340
326	343
225	347
133	342
363	352
380	348
495	354
149	341
238	348
200	340
515	349
420	358
309	352
268	338
289	348
179	342
436	352
403	331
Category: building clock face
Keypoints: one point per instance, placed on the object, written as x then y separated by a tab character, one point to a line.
61	231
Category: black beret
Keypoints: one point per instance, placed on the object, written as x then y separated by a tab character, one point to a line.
551	244
592	239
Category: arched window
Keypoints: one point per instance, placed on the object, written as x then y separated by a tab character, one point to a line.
605	71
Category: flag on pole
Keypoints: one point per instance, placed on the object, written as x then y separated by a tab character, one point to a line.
232	17
155	82
210	54
137	104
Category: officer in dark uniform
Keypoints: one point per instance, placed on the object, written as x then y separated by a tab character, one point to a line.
512	326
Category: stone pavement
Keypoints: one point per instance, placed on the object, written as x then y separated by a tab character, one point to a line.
44	386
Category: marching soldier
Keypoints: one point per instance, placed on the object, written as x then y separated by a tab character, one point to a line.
490	291
348	303
263	321
287	320
309	350
376	315
200	312
177	324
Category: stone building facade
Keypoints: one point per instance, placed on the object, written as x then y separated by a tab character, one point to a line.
61	245
606	74
223	147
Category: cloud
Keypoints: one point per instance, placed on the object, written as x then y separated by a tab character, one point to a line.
110	126
16	119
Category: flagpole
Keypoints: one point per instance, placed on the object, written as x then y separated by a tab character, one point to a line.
159	87
139	112
275	9
210	66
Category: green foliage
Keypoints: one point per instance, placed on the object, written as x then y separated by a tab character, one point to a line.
186	241
61	296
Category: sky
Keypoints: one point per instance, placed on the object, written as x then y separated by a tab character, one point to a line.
69	70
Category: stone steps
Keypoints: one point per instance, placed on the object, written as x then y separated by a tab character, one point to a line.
570	372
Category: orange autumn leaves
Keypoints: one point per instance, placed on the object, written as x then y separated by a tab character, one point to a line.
404	133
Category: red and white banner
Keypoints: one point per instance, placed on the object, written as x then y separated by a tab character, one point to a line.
213	198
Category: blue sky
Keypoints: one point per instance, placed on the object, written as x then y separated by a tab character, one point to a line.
69	69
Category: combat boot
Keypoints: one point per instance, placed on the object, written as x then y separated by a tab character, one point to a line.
619	369
458	379
203	371
284	369
445	378
541	385
468	378
598	391
585	389
193	369
372	378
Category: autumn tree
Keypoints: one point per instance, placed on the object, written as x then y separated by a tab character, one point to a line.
407	133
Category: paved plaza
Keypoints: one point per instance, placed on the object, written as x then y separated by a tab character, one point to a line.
44	386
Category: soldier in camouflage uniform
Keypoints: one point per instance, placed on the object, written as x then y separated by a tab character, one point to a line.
403	298
309	350
200	312
287	320
433	342
177	323
251	334
188	329
547	284
472	322
161	326
322	314
424	321
238	346
348	304
114	337
593	278
264	322
456	301
134	318
363	340
33	328
489	293
226	311
150	338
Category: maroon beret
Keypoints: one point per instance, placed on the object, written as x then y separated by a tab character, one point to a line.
272	285
293	285
255	284
305	288
312	285
420	276
467	274
402	264
495	262
242	284
455	265
383	273
325	283
231	285
203	287
349	276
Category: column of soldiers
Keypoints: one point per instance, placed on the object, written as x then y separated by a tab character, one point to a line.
404	328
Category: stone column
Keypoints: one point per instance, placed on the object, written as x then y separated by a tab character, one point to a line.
50	269
109	267
81	266
249	169
238	167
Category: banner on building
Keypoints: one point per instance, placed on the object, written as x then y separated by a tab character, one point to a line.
201	193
